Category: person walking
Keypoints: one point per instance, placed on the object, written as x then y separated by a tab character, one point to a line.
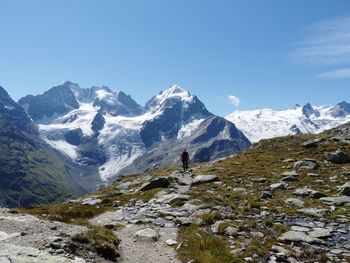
185	158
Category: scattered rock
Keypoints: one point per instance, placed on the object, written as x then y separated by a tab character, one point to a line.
259	180
147	234
308	165
294	236
239	190
171	242
312	143
91	201
161	182
338	157
204	178
231	231
307	192
278	186
290	173
300	228
344	189
294	201
266	195
336	200
313	211
320	233
289	178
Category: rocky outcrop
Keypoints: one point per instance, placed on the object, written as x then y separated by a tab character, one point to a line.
338	157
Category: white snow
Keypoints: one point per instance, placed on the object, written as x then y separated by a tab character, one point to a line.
187	129
66	148
267	123
110	98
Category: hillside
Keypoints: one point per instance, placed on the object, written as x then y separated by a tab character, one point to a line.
284	200
30	173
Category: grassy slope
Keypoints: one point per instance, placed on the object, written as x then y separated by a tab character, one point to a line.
30	174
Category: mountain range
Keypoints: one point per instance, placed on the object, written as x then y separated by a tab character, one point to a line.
268	123
109	134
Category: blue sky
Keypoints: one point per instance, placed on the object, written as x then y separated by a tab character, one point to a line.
263	53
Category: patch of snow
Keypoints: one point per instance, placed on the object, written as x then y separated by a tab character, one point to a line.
9	107
187	129
70	150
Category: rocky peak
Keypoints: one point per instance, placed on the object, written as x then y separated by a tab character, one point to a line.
57	100
308	110
340	110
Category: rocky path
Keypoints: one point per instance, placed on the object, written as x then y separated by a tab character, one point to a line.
148	230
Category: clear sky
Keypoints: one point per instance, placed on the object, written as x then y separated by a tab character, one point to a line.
262	53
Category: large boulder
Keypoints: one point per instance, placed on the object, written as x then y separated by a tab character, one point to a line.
307	192
204	178
160	182
338	157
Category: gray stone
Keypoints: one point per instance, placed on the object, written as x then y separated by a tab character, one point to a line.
185	221
294	201
307	192
281	250
266	195
336	200
215	227
294	236
171	242
239	190
204	178
320	233
344	189
278	186
172	197
308	165
319	212
259	180
231	231
123	186
300	228
289	178
338	157
160	182
147	234
290	173
312	143
91	201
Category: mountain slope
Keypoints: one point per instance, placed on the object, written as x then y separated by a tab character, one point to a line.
267	123
30	173
110	132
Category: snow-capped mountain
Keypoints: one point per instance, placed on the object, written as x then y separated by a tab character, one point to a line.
108	131
267	123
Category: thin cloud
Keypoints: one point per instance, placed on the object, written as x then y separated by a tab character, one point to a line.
343	73
328	43
234	100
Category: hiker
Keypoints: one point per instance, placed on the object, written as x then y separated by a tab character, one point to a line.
185	158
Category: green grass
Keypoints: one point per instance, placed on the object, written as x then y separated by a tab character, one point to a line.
203	248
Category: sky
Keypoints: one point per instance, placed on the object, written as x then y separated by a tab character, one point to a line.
232	54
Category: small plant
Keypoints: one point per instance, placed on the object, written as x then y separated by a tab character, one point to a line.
254	204
280	228
211	218
268	222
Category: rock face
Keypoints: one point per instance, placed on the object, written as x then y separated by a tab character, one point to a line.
338	157
204	178
107	134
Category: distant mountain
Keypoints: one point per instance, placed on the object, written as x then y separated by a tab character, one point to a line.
30	173
110	132
267	123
